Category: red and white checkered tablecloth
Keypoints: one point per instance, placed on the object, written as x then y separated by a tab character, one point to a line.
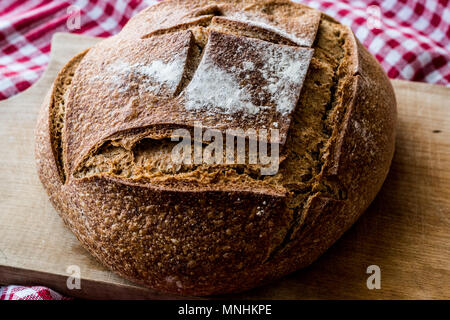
410	38
29	293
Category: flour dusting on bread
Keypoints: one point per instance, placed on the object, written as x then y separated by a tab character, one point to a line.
247	75
153	77
214	90
252	21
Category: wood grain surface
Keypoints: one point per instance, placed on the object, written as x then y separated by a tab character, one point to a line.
406	231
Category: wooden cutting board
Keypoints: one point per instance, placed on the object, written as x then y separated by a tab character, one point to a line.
406	231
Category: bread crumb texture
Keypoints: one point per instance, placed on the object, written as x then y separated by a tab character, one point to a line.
104	148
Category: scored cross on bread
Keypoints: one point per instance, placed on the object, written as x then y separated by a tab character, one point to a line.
161	82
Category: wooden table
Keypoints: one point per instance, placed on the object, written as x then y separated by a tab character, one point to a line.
406	231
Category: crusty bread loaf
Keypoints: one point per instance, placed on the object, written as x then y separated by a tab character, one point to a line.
103	142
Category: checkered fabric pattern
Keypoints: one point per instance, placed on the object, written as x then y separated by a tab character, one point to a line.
410	38
29	293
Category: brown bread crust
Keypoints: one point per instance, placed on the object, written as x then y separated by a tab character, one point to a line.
193	234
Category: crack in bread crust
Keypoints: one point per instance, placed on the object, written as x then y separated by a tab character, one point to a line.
57	110
317	148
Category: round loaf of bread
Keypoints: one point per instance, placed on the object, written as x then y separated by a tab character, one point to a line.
105	142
